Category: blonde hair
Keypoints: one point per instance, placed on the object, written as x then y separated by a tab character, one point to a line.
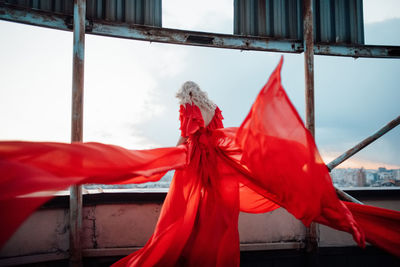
191	92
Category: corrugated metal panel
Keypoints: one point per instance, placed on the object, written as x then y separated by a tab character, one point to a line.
273	18
335	21
143	12
339	21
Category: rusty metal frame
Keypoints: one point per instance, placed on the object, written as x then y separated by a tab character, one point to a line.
75	209
192	38
79	25
312	230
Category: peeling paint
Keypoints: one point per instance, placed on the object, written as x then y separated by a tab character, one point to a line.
173	36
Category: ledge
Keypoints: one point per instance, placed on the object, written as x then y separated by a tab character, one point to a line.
139	196
101	252
109	196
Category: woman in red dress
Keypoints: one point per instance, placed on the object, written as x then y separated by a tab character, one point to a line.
198	221
270	161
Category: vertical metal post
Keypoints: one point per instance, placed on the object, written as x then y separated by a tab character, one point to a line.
75	203
309	64
312	231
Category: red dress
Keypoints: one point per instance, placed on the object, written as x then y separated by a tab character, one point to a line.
270	161
198	221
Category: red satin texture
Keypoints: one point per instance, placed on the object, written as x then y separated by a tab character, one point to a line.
381	226
41	168
270	161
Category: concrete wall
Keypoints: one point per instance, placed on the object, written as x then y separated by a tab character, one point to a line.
131	225
112	226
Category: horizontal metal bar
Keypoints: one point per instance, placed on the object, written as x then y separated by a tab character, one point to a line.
356	51
193	38
36	18
164	35
363	143
346	197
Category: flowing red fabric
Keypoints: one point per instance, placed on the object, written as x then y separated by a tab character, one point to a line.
44	167
270	161
381	226
284	159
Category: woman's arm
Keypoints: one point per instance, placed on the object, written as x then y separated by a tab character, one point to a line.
181	140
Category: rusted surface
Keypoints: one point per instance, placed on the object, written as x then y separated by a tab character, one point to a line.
312	230
76	127
182	37
309	65
195	38
75	226
358	51
78	74
147	12
32	17
363	143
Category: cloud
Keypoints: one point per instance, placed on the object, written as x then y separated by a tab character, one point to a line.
383	33
206	15
122	88
357	162
130	85
377	11
355	98
35	94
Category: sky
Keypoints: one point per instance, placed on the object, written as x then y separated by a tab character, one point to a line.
129	97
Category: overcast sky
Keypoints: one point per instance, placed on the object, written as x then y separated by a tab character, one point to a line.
130	85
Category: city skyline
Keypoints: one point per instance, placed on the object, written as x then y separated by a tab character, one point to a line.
341	178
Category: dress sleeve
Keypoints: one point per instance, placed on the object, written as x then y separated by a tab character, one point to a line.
190	118
219	118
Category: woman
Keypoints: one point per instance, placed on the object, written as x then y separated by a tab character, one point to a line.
270	161
198	221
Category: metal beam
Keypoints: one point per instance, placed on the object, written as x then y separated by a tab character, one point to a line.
312	230
75	246
363	143
343	195
35	17
193	38
309	65
346	197
357	51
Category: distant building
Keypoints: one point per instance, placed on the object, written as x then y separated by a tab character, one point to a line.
364	178
372	177
361	177
381	169
396	174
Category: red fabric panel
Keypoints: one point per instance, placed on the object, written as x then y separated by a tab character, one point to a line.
29	167
381	226
282	156
252	197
